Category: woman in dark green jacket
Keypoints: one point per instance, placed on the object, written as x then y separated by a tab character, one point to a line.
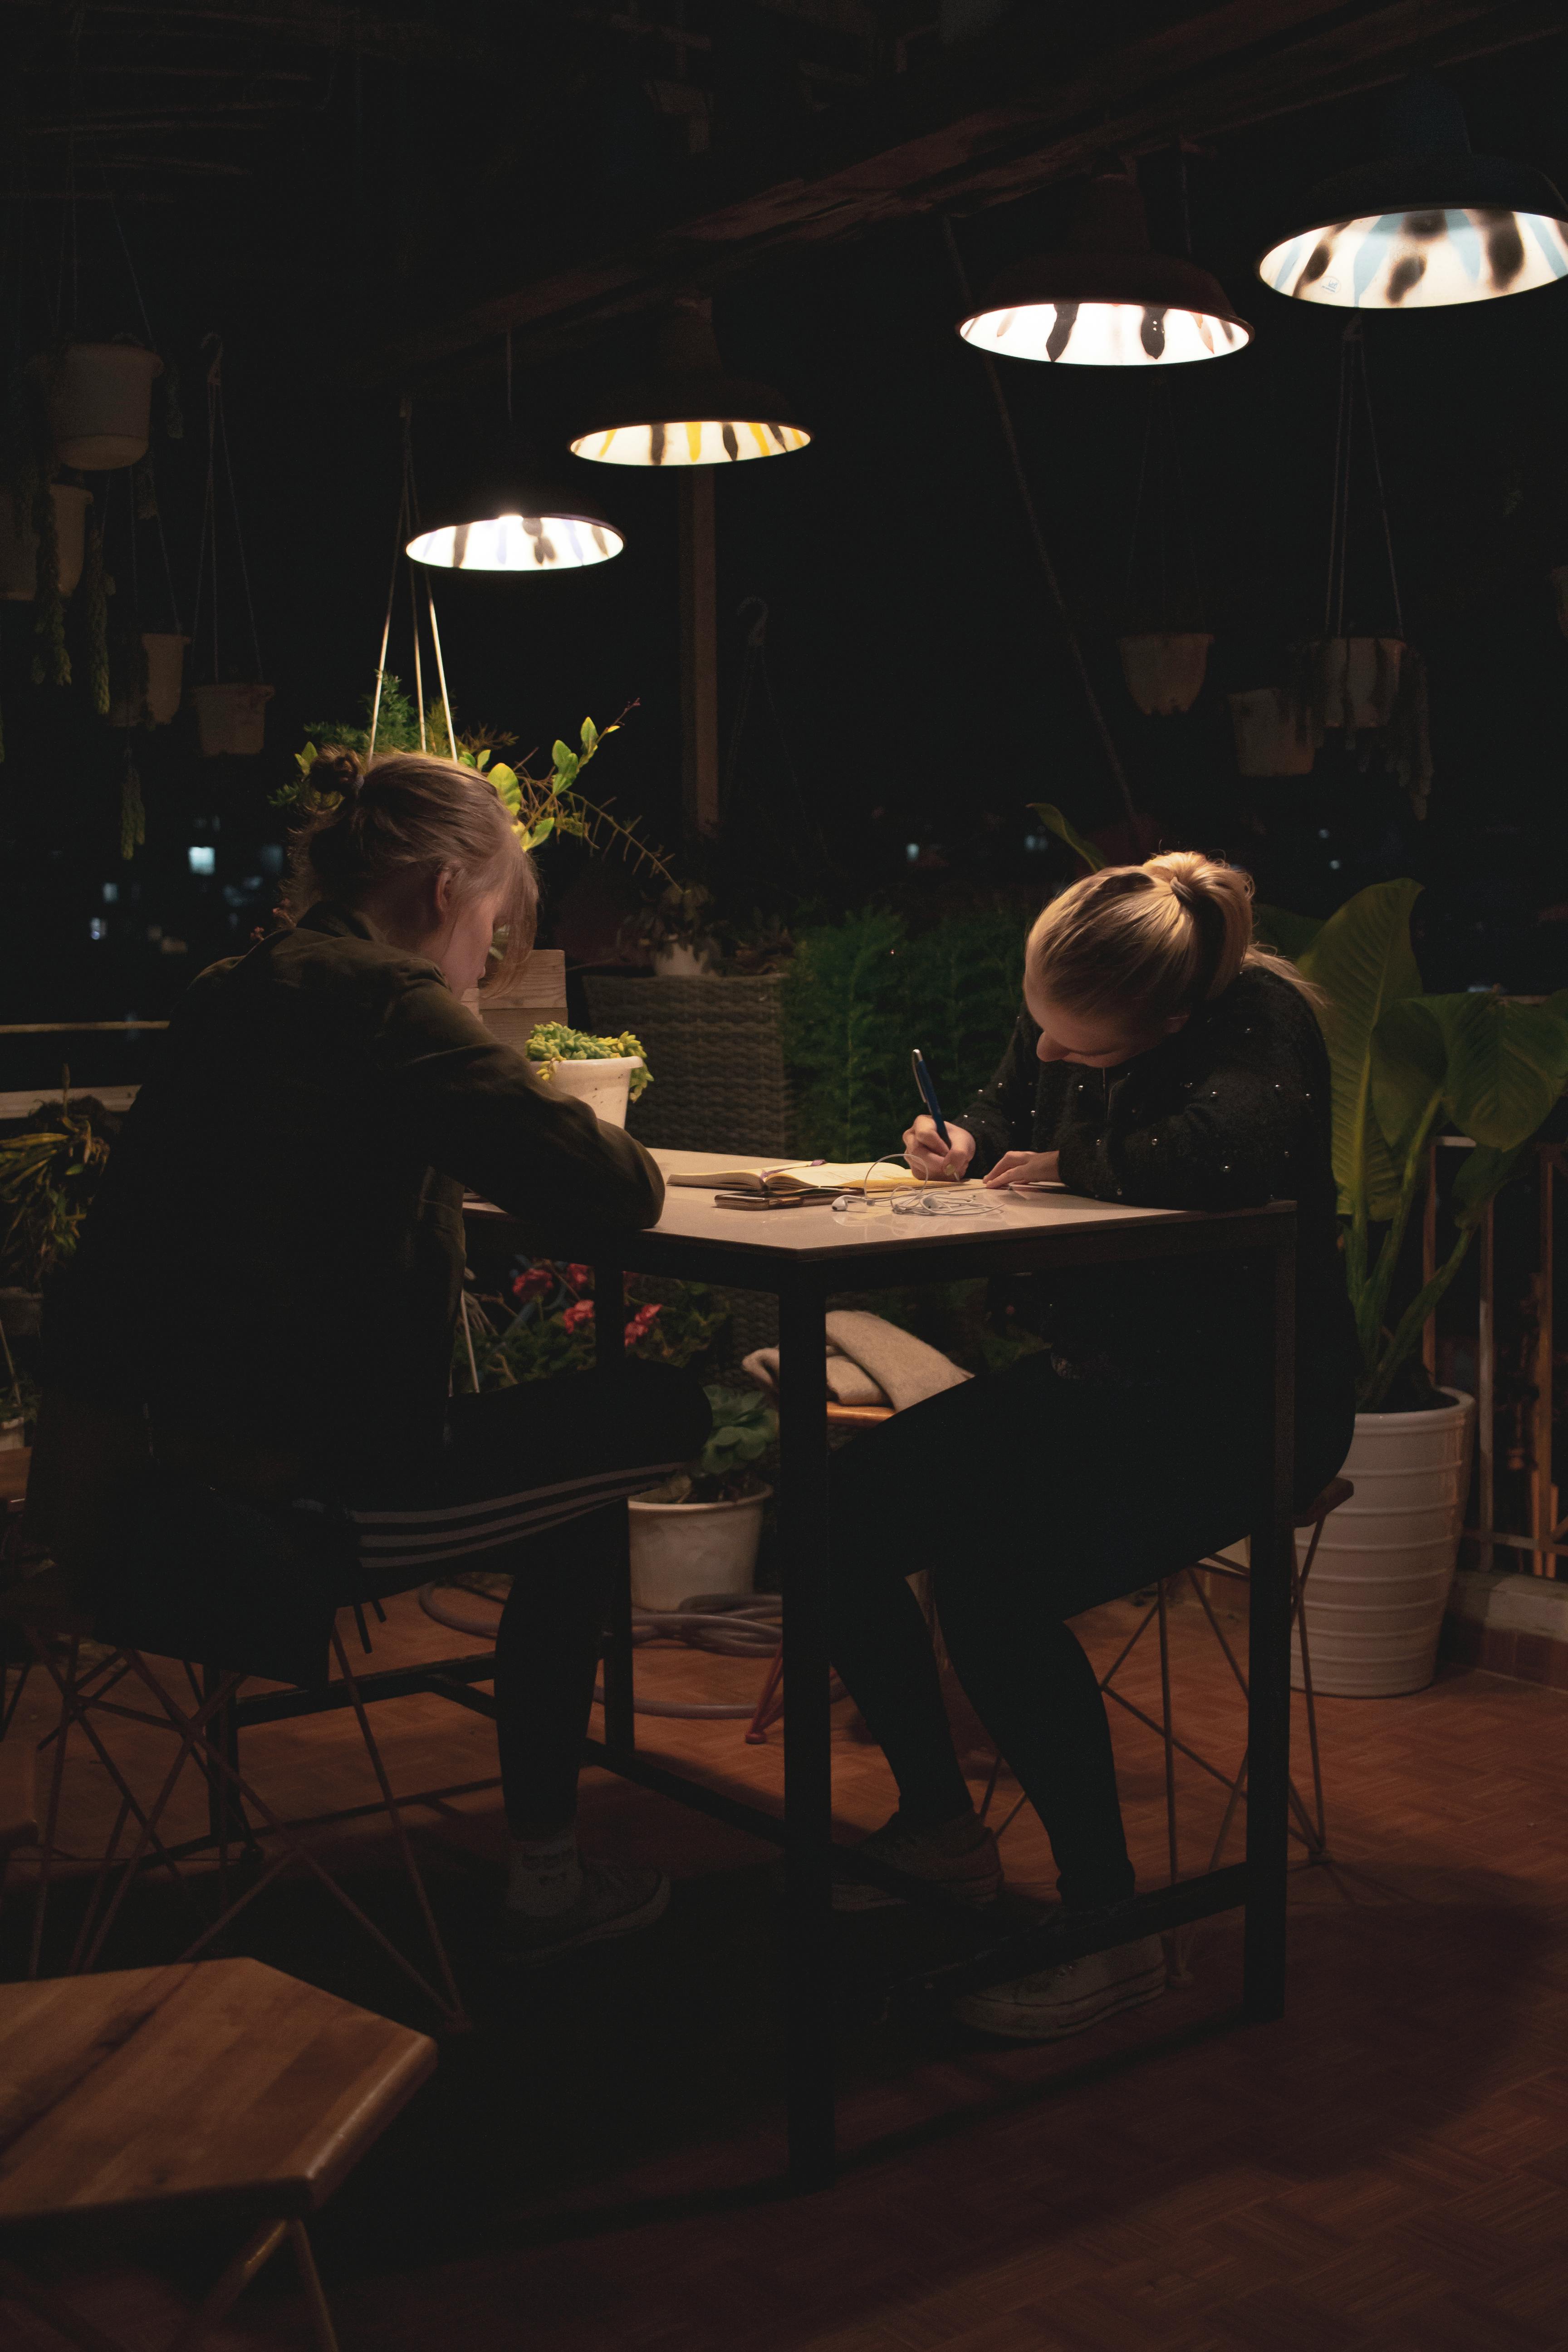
265	1298
1161	1059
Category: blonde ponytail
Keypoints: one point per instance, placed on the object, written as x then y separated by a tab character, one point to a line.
1164	938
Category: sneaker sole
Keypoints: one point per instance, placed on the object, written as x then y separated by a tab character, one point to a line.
862	1895
603	1931
1058	2024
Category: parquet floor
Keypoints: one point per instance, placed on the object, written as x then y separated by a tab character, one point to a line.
593	2169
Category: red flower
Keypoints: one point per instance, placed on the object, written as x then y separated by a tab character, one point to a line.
580	1312
640	1324
536	1282
579	1278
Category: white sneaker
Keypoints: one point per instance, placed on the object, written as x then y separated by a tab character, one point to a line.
618	1898
958	1857
1055	2002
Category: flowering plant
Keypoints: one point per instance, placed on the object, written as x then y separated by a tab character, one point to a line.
542	1322
552	1041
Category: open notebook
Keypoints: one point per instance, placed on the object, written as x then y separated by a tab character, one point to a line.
789	1187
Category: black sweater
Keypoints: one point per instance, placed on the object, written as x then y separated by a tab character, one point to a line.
1230	1111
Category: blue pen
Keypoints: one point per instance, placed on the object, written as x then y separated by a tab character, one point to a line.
927	1094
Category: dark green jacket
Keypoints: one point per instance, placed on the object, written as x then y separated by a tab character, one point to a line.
273	1263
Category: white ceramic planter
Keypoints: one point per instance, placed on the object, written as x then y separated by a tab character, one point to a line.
231	718
1164	672
12	1437
1270	738
1380	1584
1358	679
103	406
682	1550
604	1087
19	547
681	960
165	681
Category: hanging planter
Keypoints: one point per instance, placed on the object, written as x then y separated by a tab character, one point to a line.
100	404
19	541
1273	736
231	718
164	655
1358	681
1164	672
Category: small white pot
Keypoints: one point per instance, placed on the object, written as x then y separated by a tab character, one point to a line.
1272	736
12	1440
1164	674
682	961
1380	1584
231	718
604	1087
103	406
19	548
680	1551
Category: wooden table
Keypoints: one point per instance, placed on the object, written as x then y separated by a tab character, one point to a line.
804	1256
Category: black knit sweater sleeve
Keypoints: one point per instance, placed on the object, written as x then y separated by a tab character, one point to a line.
1223	1123
1001	1118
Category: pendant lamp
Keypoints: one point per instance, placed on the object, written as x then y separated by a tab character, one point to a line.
512	518
692	412
1429	224
1104	298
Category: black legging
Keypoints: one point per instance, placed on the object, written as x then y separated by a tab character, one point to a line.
1031	1497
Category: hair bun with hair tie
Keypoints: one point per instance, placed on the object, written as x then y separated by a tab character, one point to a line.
336	769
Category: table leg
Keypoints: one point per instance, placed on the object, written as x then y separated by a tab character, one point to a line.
807	1729
610	1354
1272	1557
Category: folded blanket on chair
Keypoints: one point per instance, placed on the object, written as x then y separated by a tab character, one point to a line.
870	1362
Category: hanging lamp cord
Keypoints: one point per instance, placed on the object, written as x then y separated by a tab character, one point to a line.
1049	570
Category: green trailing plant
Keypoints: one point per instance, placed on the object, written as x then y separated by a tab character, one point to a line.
744	1426
95	591
859	994
1404	1064
552	1041
49	1170
539	805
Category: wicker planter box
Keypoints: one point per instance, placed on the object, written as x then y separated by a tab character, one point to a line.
715	1051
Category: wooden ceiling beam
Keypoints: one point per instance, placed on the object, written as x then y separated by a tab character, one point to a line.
955	146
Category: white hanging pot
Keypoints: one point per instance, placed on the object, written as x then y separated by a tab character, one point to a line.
1358	681
682	1550
1559	579
1272	737
1164	672
231	718
165	678
19	542
102	403
605	1086
1380	1584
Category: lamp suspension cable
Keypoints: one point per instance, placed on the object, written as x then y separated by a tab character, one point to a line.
1354	400
1031	517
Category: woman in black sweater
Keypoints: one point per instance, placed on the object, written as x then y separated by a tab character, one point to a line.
1162	1059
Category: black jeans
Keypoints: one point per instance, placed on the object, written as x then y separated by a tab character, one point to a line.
1030	1497
538	1442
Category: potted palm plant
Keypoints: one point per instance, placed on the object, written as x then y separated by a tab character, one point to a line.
1403	1063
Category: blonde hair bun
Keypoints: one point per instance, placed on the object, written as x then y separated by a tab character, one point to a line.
1164	937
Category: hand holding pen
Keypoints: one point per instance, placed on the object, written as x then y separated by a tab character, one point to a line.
935	1151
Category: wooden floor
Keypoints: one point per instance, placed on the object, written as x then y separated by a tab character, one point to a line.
594	2168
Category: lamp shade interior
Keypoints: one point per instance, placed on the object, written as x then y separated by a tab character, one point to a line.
518	542
1419	259
1105	334
690	441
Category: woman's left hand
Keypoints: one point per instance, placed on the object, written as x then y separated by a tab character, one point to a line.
1024	1168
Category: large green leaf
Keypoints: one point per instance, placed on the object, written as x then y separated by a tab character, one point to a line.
1482	1174
1292	935
1364	963
1065	830
1507	1064
1409	1073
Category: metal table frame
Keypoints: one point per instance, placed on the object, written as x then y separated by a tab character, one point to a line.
1254	1244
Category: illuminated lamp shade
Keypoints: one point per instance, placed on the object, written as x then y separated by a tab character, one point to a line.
1104	298
1429	224
515	522
692	412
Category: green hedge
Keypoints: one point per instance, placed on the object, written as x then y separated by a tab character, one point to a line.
859	994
